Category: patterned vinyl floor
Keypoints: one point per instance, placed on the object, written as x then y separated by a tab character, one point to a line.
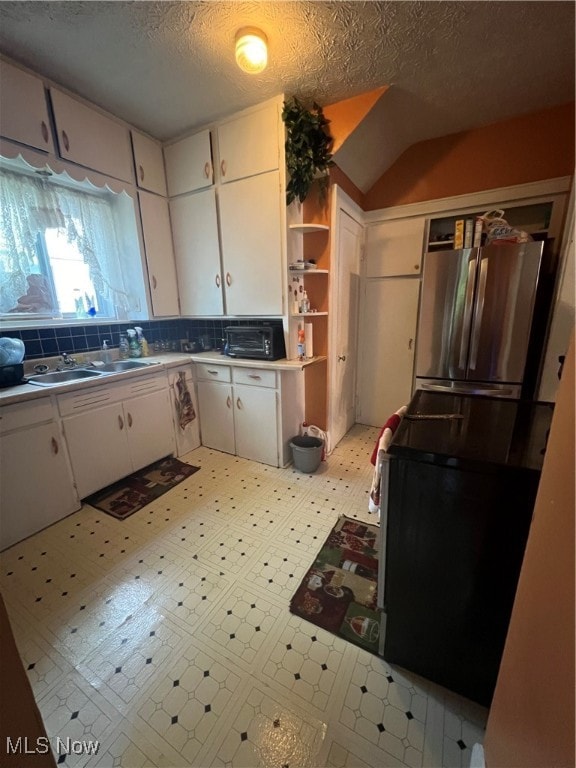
167	638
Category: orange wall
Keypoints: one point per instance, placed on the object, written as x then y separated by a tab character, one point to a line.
531	721
523	149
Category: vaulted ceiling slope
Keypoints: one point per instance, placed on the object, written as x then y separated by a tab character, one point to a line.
168	67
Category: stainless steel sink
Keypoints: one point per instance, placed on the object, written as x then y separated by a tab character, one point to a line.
124	365
61	377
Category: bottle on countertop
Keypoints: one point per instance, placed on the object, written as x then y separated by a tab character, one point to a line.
123	348
305	303
144	351
133	346
301	344
106	354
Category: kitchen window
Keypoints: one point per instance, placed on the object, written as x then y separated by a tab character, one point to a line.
68	250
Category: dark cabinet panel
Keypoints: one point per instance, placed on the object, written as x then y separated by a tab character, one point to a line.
460	504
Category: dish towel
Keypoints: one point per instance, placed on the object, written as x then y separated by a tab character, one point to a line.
382	444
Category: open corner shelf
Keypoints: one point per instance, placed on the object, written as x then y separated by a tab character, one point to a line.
304	228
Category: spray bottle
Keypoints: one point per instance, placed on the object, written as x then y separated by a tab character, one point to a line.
142	341
123	348
133	345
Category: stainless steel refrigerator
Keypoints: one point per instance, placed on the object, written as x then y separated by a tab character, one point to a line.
482	320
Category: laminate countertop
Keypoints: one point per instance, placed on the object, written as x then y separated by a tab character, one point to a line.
24	392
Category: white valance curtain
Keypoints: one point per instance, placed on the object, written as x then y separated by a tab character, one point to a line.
28	206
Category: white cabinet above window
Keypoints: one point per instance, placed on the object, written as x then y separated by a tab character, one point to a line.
89	138
189	164
149	164
23	108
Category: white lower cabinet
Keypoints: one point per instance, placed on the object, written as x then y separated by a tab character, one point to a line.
114	430
37	487
216	416
255	423
250	412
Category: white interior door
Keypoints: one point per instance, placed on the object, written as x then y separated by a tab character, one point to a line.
344	297
387	338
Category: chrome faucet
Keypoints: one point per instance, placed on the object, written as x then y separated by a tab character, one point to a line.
66	362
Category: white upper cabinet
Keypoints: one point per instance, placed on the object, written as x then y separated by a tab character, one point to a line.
189	164
91	139
23	108
249	144
149	164
159	254
197	253
395	247
250	225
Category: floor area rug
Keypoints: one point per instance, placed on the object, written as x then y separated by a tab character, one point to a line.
338	593
127	496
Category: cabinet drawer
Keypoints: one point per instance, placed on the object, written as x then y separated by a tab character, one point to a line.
213	372
24	414
144	384
76	402
258	377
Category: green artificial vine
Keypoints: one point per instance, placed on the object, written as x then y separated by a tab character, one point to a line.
308	146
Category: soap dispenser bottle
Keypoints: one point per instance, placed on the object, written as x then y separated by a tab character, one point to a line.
106	356
134	347
305	304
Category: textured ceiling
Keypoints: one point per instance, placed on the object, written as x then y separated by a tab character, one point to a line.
168	67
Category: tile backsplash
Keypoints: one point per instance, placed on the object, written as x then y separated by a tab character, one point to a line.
46	342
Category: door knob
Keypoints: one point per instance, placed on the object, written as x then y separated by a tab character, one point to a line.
342	358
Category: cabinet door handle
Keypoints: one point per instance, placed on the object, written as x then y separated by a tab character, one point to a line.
254	376
223	167
207	170
129	419
217	279
228	279
65	141
214	373
238	403
44	131
120	422
228	402
416	267
55	446
410	342
141	172
154	282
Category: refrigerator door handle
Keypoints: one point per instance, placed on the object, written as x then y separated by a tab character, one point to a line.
479	312
501	392
467	313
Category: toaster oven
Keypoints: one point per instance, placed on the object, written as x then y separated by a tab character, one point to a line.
265	342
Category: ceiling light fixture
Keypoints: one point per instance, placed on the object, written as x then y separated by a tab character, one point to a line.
251	50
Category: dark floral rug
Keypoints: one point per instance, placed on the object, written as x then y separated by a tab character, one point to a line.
338	593
127	496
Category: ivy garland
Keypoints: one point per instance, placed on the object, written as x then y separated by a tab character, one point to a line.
307	146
